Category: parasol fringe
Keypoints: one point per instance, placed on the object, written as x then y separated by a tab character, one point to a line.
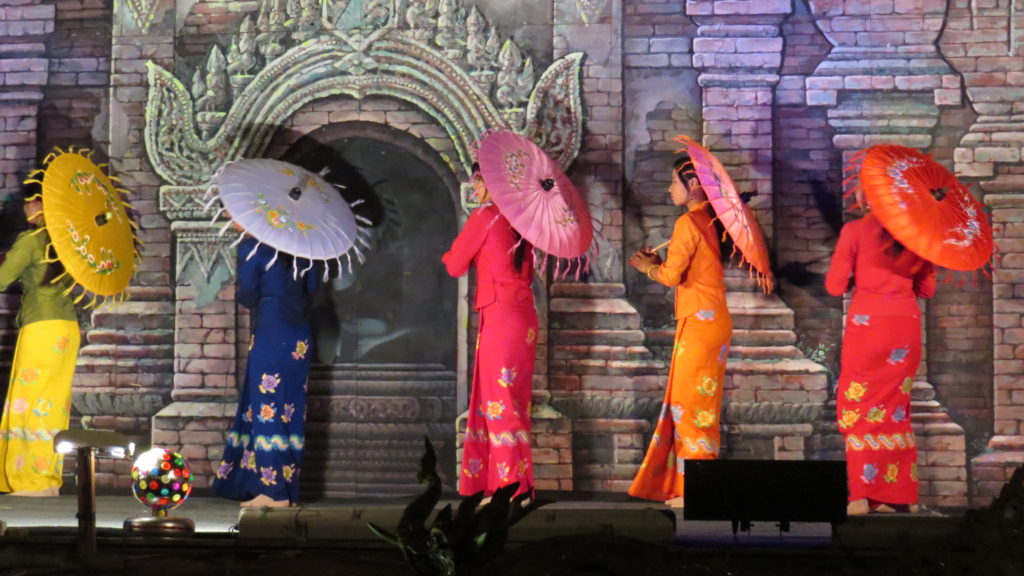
362	240
348	262
33	180
216	214
308	268
295	267
211	197
224	228
272	260
91	303
363	221
359	254
253	252
357	202
80	297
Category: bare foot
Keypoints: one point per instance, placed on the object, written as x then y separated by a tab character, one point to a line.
884	509
913	508
857	507
676	502
264	501
51	492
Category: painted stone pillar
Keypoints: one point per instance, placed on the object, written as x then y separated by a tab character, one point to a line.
983	42
24	70
739	65
884	81
139	348
1006	448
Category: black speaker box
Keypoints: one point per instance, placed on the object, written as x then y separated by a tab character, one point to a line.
781	491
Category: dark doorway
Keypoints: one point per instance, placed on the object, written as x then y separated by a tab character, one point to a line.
384	375
399	305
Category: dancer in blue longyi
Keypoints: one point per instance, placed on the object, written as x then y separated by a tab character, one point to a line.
263	453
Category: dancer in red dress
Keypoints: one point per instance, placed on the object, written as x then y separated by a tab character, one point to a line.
496	450
881	353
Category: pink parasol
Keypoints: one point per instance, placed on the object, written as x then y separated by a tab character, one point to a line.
737	219
535	196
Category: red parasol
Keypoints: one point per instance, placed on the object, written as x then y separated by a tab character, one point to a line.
923	206
737	219
535	196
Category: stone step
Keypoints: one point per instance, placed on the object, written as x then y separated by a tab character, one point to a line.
663	337
593	314
746	337
100	364
122	337
569	352
763	319
382	372
328	389
135	316
126	351
101	380
765	353
740	280
741	301
923	391
591	366
767	367
584	290
600	337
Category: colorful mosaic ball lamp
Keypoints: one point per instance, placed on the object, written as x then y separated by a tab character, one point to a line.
161	479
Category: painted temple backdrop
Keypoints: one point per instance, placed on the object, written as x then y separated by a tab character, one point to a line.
389	95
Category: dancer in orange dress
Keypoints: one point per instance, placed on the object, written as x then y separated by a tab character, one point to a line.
688	427
881	352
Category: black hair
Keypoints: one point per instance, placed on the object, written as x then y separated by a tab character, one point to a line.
520	252
682	167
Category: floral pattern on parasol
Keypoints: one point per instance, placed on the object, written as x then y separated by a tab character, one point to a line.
734	214
289	209
87	220
537	198
922	205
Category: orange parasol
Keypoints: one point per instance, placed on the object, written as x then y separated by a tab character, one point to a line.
88	223
737	219
923	206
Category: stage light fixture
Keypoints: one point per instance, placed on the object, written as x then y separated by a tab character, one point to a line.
89	444
162	481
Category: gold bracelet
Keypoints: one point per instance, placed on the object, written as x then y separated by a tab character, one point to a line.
651	269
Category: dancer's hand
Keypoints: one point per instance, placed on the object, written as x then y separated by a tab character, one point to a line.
644	259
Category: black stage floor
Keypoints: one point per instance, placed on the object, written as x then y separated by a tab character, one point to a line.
575	534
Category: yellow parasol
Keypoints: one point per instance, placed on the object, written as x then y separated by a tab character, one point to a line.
88	223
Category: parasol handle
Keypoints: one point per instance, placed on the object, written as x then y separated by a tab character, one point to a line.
662	245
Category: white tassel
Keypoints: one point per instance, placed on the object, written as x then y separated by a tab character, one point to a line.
253	253
272	260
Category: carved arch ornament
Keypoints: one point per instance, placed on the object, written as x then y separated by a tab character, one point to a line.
431	55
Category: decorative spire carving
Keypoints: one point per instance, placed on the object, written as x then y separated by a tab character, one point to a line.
437	55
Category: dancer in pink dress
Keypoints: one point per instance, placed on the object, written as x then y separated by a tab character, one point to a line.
496	451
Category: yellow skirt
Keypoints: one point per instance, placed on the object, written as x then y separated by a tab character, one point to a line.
38	405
